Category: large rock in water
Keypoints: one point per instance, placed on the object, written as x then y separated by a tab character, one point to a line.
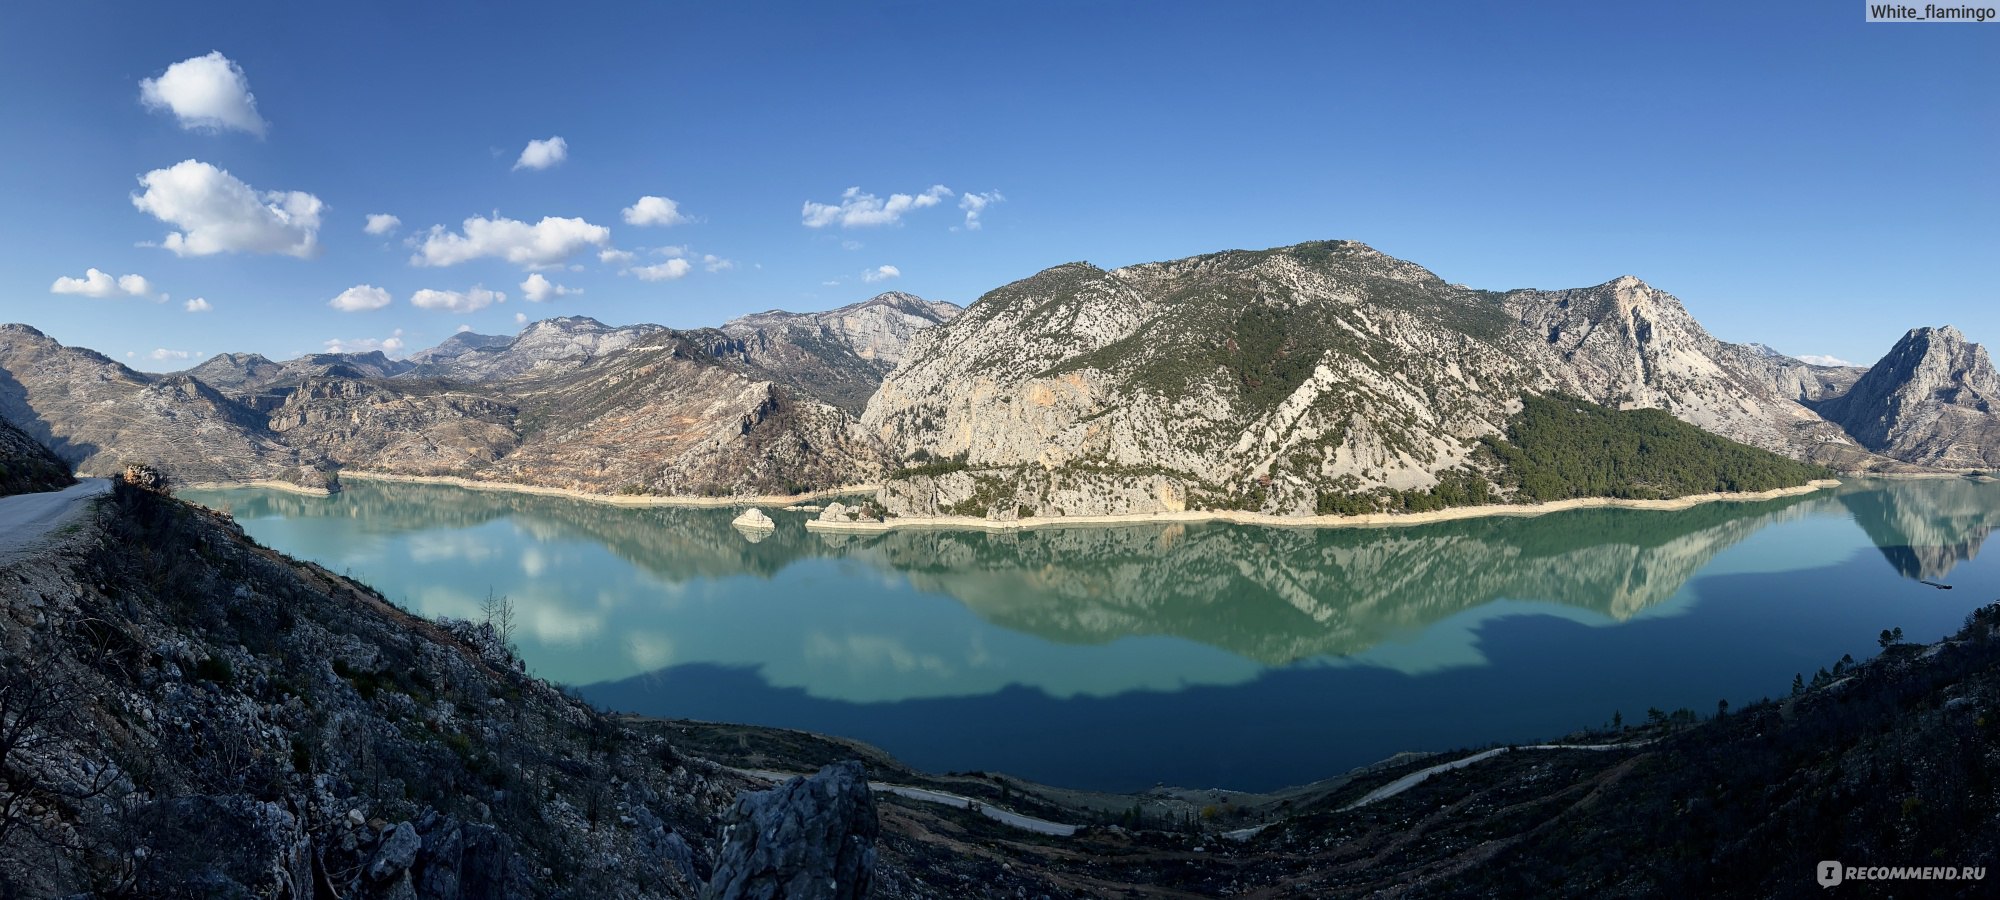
807	839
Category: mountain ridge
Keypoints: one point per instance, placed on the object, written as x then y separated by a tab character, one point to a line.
1272	375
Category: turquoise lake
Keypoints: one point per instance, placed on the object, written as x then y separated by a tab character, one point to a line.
1196	655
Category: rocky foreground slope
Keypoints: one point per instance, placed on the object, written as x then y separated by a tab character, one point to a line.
189	714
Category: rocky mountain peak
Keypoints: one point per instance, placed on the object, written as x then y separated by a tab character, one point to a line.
19	328
458	345
1942	360
566	325
1933	399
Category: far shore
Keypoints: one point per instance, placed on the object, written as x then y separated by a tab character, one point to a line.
613	499
260	483
1370	520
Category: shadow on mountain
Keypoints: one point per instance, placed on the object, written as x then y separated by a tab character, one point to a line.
14	408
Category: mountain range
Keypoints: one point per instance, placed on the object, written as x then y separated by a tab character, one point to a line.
1261	380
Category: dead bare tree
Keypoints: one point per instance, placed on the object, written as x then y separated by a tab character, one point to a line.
498	612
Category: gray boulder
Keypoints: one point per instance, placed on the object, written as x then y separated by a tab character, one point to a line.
807	839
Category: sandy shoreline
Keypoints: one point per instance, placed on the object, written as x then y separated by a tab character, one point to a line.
260	483
1372	520
614	499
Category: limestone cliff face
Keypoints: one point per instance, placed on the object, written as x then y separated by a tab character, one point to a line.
99	416
409	427
665	416
1932	400
838	357
878	329
1260	379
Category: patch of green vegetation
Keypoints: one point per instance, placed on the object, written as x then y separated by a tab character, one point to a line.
1561	447
926	466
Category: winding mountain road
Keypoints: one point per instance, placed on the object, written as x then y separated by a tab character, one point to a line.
26	520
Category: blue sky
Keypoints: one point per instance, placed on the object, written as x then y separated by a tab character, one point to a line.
1795	175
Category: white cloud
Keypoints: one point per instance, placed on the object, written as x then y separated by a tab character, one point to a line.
163	354
851	245
881	273
614	257
100	284
715	263
382	223
543	154
1818	359
389	345
461	329
360	298
197	305
651	210
469	301
544	243
218	213
667	271
206	93
858	210
538	289
520	318
974	204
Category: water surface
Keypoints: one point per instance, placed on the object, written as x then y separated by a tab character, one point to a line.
1203	655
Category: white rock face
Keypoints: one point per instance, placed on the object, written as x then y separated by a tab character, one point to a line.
544	347
1263	379
1932	400
754	519
878	329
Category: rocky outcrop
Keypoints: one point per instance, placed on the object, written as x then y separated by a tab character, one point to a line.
1933	400
27	466
807	839
753	519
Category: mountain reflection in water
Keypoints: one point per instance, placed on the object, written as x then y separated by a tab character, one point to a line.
889	637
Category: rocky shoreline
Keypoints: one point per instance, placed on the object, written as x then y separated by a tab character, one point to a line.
1370	520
